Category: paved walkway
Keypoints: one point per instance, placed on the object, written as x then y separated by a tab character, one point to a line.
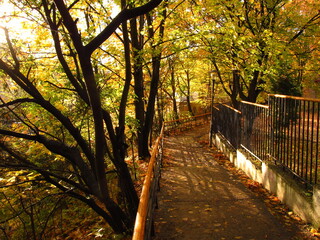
199	199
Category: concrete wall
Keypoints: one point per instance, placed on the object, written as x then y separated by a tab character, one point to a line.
303	203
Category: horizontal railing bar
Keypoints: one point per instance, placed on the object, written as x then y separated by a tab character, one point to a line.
294	97
287	130
256	104
236	110
141	217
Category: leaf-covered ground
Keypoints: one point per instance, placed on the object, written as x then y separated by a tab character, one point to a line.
275	206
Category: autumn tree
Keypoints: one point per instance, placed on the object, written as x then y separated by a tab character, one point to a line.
56	105
146	37
169	87
248	43
298	28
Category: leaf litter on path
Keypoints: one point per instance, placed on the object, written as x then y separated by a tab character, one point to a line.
275	206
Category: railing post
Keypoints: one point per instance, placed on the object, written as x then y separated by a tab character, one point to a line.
211	129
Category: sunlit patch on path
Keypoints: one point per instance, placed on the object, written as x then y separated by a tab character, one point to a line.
200	199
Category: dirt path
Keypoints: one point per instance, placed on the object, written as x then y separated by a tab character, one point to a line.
200	199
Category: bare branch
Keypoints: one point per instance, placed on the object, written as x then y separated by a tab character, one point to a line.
304	27
62	88
17	101
11	48
17	135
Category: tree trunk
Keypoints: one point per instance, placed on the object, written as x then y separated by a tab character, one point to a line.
173	87
151	104
160	108
155	79
188	93
88	183
235	88
120	146
138	83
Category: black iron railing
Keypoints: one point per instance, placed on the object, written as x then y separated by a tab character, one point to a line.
226	121
294	135
285	131
255	129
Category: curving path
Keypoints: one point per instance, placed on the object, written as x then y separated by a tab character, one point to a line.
199	199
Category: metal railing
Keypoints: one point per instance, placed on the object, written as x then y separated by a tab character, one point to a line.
143	228
285	131
294	135
255	129
226	121
144	219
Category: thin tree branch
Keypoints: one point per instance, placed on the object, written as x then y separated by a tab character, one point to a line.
18	101
304	27
124	15
11	48
17	135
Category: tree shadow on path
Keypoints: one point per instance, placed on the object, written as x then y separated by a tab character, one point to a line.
199	199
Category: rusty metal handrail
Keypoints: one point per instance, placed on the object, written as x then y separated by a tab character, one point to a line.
141	217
